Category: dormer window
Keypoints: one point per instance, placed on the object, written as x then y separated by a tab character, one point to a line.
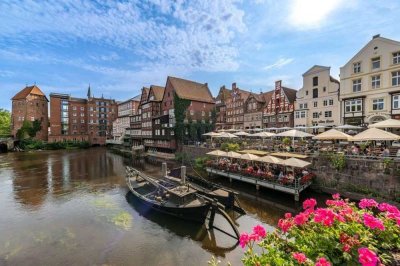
357	67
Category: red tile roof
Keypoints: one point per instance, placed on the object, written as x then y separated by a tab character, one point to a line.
191	90
158	92
28	90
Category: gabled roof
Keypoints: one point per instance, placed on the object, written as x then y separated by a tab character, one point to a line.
145	93
332	79
158	92
28	90
290	94
223	93
316	69
191	90
267	96
244	94
376	38
258	97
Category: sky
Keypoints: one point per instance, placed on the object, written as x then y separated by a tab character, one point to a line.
120	46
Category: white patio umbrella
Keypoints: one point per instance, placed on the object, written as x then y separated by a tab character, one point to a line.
375	134
263	134
297	163
212	134
231	130
216	153
270	159
249	157
389	123
221	130
233	154
257	129
348	127
271	128
333	134
226	135
294	133
241	133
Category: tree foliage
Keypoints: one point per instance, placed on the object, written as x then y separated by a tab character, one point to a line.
181	106
29	129
5	122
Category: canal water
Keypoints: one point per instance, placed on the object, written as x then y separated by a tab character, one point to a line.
73	208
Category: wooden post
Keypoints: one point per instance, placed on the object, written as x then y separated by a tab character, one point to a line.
164	169
183	174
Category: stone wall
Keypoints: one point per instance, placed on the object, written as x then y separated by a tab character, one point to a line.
364	176
194	151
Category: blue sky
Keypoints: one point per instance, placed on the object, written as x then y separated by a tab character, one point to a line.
118	47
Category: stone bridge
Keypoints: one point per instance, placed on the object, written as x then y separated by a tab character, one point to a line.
6	144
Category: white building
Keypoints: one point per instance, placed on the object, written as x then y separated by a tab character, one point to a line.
317	102
370	83
125	110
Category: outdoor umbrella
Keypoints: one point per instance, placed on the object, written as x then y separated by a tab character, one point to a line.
270	159
241	133
231	130
221	130
249	157
257	129
375	134
263	134
389	123
348	127
226	135
294	133
217	153
233	154
294	162
333	134
212	134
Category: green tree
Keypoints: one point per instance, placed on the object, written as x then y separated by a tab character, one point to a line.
5	122
181	106
29	129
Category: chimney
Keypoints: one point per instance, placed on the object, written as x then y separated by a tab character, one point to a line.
206	84
376	36
233	85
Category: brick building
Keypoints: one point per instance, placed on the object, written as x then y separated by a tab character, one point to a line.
150	109
253	110
80	119
220	107
30	104
200	108
279	111
235	107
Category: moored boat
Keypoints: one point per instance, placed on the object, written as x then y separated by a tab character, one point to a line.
166	197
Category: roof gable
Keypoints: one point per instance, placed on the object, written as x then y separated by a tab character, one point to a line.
316	69
191	90
157	92
290	94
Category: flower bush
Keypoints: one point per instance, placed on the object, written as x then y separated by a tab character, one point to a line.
342	233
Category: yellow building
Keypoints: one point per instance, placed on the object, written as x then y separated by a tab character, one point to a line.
369	83
317	102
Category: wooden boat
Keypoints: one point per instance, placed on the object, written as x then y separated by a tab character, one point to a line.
166	197
224	196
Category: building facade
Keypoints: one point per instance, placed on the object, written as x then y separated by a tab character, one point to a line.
370	83
317	102
30	104
78	119
235	107
279	110
220	107
253	110
126	109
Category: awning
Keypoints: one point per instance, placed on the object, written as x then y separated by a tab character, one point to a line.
389	123
333	134
270	159
255	152
217	153
249	157
294	133
294	162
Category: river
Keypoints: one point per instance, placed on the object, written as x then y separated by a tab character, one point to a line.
72	207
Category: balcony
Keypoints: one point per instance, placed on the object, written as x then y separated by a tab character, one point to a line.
114	142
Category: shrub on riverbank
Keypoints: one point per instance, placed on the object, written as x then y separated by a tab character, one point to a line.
340	234
31	144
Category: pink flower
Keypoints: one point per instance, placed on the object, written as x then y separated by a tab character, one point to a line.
324	216
386	207
322	262
300	257
372	222
288	215
244	240
285	224
337	203
367	257
259	231
367	203
336	196
300	219
309	204
346	248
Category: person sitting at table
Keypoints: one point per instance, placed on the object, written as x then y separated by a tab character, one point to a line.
280	176
290	176
386	152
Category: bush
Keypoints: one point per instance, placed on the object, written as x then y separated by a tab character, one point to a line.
230	146
340	234
338	161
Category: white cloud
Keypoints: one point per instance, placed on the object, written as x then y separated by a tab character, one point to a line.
105	57
306	14
279	63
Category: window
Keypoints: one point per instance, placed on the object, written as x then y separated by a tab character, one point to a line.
325	103
396	101
315	81
396	58
301	106
396	78
315	104
300	114
376	62
330	101
377	104
357	85
306	92
315	115
82	121
353	106
191	112
328	114
74	114
203	113
82	108
315	93
376	81
74	108
357	67
82	114
324	89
